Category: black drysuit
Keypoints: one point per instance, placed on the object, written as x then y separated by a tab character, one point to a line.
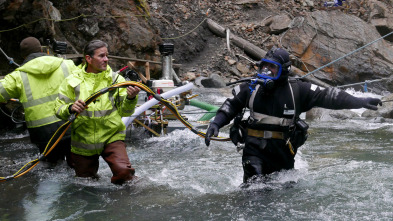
264	156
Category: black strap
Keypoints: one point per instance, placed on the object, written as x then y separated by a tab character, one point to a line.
295	87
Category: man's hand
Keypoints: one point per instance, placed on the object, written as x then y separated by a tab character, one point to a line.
211	131
371	103
132	92
78	106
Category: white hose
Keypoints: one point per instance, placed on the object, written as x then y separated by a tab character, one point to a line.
152	102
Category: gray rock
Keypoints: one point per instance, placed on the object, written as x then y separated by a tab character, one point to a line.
323	114
326	36
385	111
278	23
214	81
198	81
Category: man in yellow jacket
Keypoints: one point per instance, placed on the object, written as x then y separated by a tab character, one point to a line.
36	84
98	130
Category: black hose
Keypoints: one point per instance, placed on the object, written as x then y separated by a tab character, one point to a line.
63	128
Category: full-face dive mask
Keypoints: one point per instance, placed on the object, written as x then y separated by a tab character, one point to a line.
268	72
274	66
269	69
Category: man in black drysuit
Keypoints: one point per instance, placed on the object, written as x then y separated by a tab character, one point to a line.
273	132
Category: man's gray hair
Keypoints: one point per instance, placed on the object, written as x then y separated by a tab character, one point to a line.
92	46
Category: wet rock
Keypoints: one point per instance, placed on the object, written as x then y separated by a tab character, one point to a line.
214	81
198	81
322	114
385	111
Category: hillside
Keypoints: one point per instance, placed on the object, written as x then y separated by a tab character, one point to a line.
313	33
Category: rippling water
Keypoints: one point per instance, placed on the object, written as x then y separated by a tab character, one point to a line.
343	172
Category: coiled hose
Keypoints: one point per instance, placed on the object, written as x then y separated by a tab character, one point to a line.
58	135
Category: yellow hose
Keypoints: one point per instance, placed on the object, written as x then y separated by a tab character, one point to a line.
90	99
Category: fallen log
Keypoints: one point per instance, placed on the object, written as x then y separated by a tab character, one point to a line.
309	78
254	51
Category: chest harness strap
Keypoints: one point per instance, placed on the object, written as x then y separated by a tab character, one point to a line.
267	119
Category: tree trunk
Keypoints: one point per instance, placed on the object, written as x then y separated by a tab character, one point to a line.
254	51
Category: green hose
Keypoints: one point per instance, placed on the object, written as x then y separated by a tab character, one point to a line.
205	106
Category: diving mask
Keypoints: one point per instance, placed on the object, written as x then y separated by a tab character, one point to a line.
269	69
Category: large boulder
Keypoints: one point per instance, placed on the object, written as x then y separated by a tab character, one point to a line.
323	37
385	111
322	114
214	81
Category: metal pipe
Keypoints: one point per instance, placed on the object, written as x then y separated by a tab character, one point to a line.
166	67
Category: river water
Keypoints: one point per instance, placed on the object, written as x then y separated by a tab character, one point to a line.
343	172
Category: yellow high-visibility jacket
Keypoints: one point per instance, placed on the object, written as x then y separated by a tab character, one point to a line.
101	122
36	85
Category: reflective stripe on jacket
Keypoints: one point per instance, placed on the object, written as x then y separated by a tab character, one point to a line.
101	122
36	85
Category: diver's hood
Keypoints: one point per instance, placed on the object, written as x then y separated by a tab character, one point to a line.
278	58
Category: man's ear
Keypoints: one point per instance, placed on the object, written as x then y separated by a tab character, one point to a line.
88	59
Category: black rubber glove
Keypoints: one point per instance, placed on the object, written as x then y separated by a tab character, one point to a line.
371	103
237	135
211	131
